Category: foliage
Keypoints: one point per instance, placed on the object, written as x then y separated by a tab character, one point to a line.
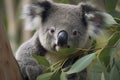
41	60
81	64
103	64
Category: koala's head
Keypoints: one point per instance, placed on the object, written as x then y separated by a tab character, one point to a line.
65	25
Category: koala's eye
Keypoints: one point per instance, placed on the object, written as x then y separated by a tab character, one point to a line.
52	30
75	32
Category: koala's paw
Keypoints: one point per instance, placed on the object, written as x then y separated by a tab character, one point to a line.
33	71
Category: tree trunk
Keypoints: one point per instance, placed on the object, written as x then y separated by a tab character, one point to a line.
9	69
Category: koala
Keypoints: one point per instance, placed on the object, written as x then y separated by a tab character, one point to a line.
59	26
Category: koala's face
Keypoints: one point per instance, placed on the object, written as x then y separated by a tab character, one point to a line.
65	26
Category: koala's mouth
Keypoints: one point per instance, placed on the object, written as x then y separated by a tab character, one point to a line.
58	47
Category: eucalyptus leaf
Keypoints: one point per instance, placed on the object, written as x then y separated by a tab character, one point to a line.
56	76
41	60
110	5
45	76
105	54
102	76
98	67
114	74
115	58
94	76
64	1
115	14
63	76
81	64
106	75
95	69
67	51
109	20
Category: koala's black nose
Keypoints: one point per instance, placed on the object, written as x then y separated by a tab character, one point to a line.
62	38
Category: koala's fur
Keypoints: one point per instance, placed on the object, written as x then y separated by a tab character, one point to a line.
77	22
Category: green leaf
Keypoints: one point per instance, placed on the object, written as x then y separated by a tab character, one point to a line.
110	5
109	20
102	76
106	75
63	76
64	1
114	74
105	54
56	76
115	56
81	63
45	76
98	67
41	60
95	69
115	14
94	76
67	51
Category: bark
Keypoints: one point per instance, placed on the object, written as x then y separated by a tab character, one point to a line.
9	69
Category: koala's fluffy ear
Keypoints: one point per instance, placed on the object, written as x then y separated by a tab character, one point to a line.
95	19
35	13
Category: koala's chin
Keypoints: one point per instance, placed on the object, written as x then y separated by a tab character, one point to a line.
58	48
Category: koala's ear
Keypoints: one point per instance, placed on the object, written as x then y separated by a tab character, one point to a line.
35	13
96	20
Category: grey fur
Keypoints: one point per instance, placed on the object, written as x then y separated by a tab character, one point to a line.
86	20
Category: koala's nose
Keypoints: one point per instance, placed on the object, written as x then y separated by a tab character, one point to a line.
62	38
